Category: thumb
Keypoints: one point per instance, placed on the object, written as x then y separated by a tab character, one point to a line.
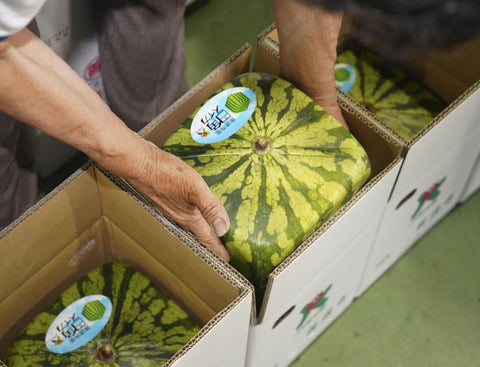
214	213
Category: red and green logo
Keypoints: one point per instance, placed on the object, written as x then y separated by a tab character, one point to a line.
318	302
57	341
429	196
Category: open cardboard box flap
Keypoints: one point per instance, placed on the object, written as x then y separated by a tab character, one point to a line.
453	72
384	154
166	123
88	221
382	150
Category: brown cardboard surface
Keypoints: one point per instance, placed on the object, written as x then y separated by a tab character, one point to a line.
381	148
79	228
182	108
20	248
266	56
453	73
131	229
449	70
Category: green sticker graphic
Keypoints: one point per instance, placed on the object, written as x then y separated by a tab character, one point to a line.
94	310
237	102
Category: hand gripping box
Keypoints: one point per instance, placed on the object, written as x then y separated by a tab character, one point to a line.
318	281
90	220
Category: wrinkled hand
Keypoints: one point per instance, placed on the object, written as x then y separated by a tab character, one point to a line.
180	193
308	38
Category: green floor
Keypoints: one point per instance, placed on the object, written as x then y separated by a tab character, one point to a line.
425	311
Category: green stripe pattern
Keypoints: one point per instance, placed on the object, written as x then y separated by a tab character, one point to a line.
146	327
390	94
282	175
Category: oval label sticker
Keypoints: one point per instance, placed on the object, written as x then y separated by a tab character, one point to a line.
345	77
223	115
79	323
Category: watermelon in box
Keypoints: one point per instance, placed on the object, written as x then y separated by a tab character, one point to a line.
398	101
280	175
142	326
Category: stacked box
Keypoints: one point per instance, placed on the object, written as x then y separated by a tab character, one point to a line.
473	182
90	220
439	157
318	281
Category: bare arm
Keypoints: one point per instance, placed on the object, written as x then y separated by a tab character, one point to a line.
308	40
37	87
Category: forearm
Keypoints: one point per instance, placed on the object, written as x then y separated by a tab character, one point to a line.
40	89
308	42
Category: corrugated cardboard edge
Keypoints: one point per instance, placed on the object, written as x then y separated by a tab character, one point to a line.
272	46
151	126
29	212
394	135
212	260
229	273
199	86
320	231
2	364
446	111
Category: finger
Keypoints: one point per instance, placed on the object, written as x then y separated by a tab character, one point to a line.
206	236
214	212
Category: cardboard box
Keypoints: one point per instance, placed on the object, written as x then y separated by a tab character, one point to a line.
473	182
67	27
90	220
438	160
332	258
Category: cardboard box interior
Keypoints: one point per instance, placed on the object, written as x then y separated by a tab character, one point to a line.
452	73
384	154
89	221
166	123
382	150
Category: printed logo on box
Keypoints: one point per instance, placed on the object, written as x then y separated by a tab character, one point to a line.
428	204
79	323
223	115
312	308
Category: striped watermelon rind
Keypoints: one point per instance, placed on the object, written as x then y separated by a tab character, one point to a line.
146	327
282	175
400	102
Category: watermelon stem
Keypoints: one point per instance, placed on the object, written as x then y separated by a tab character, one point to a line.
261	145
105	354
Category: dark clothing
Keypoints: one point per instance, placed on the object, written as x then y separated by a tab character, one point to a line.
142	57
18	181
141	47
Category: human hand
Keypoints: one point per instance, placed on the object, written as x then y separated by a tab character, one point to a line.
308	40
180	193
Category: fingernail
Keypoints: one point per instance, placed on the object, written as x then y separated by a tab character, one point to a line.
220	227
